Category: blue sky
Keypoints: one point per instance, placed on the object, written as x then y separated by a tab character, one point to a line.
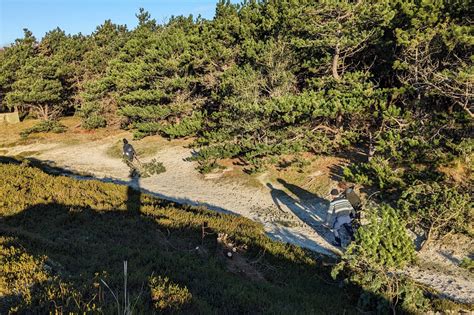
74	16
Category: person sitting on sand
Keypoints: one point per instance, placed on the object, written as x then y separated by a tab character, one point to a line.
340	214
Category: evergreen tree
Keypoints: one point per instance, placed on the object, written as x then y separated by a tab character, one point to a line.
37	89
373	261
12	59
95	106
437	56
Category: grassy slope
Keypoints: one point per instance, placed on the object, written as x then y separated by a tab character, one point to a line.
60	236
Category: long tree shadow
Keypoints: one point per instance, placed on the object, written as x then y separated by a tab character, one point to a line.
134	195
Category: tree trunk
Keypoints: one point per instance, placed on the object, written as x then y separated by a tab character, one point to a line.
427	240
46	112
371	152
40	111
418	93
335	64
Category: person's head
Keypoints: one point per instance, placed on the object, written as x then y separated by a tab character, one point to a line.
335	192
125	141
342	185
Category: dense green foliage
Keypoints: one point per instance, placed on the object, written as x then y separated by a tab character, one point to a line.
143	170
265	78
63	241
44	126
438	210
467	263
381	249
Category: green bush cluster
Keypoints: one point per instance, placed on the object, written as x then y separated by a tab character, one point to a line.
145	170
378	172
374	260
94	121
152	168
467	263
167	295
44	126
19	271
28	283
437	209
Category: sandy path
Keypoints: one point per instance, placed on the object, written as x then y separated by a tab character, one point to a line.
286	215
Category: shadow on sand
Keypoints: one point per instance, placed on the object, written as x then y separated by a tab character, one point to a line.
307	206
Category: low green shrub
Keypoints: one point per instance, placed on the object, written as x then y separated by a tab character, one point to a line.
373	261
19	271
44	126
144	170
437	209
94	121
30	283
467	263
152	168
167	295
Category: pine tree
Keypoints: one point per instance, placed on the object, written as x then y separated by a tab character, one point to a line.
382	248
437	52
12	59
37	89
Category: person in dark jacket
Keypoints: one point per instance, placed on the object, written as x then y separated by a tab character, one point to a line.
340	214
128	151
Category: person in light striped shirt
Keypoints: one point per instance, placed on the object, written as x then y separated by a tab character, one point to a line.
340	214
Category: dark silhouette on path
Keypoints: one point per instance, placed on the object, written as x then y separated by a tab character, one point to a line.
134	195
281	197
308	207
308	200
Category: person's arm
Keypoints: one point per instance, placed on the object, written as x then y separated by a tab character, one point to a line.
329	214
353	213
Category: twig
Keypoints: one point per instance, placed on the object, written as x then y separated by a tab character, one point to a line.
115	297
